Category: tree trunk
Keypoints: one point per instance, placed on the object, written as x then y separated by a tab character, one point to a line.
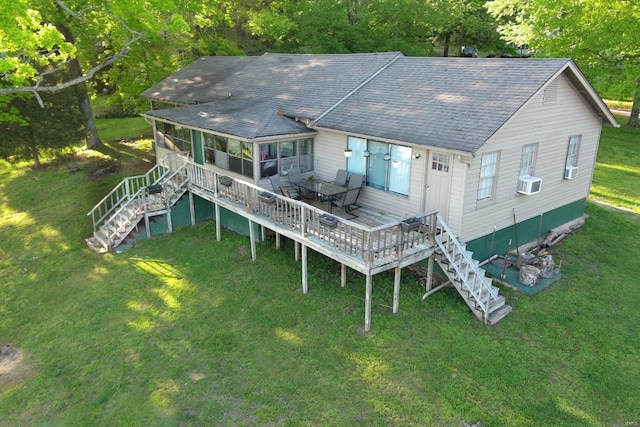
635	109
75	70
447	40
93	140
34	149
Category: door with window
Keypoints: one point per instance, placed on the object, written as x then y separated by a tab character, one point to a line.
438	183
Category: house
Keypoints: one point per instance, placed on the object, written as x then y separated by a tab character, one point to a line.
494	144
472	154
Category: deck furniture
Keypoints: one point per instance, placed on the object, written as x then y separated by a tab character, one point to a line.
277	187
348	201
324	190
341	177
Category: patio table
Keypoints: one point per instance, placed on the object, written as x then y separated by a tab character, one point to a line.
324	189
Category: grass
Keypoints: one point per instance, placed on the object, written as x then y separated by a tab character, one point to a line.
185	330
617	173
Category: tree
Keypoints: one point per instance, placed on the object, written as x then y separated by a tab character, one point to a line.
55	125
601	36
133	43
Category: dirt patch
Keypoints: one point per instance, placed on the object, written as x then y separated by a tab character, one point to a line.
12	366
9	358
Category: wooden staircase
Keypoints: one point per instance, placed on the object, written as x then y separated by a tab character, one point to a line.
468	278
133	200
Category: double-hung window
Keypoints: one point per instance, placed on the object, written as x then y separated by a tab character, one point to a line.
528	160
572	151
488	175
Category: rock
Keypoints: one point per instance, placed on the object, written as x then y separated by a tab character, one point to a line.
546	266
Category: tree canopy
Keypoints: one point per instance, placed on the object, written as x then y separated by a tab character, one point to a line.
601	35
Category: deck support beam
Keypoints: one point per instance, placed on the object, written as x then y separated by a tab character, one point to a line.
305	284
218	225
277	240
429	283
367	304
252	238
396	289
297	250
193	208
343	275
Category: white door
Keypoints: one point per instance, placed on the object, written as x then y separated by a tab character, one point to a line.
438	183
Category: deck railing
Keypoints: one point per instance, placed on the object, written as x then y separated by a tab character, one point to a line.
372	246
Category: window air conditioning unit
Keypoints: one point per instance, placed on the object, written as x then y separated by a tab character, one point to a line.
570	172
529	185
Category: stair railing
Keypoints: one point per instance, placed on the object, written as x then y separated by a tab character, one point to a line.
127	189
137	202
470	264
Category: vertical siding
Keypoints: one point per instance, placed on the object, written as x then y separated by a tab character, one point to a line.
550	126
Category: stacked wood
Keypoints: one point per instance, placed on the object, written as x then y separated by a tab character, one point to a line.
529	275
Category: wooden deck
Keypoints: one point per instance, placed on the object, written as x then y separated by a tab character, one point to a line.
371	243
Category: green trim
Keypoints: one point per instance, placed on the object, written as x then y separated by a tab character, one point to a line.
529	230
197	147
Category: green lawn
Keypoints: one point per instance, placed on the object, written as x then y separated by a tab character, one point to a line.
184	330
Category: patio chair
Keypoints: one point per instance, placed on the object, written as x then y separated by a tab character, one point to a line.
356	181
295	179
348	201
341	177
277	187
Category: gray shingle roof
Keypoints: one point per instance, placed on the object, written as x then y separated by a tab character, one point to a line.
300	86
452	103
189	84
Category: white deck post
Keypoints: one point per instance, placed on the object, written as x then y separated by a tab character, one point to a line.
218	226
277	240
297	250
367	304
343	275
252	239
305	284
396	290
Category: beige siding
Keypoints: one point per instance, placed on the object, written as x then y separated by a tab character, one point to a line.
550	126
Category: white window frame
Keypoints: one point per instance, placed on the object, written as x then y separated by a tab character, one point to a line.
528	160
573	151
488	177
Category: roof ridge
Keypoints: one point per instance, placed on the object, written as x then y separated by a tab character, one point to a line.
367	80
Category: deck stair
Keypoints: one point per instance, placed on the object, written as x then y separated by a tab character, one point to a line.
135	199
468	278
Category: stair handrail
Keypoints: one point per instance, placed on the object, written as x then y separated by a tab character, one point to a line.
128	189
470	262
139	196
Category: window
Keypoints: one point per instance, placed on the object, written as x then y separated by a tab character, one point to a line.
572	151
528	160
488	173
227	153
176	138
278	157
387	166
440	162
